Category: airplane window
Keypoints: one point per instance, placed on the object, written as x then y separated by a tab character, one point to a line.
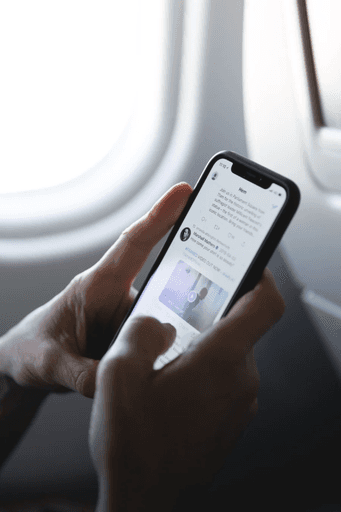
67	87
324	20
88	97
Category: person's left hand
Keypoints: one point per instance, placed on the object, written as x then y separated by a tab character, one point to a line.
57	347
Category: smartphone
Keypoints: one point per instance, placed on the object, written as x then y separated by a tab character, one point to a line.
218	248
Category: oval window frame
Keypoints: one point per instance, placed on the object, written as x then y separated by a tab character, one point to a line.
156	162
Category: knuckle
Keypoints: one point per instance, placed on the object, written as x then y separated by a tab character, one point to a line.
75	283
130	235
126	235
76	291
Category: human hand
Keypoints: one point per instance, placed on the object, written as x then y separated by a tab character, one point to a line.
57	346
154	432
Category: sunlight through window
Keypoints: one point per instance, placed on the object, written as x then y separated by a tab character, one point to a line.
67	87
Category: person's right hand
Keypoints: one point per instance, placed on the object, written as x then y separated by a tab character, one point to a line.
154	432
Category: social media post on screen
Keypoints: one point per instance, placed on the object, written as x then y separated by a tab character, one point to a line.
230	223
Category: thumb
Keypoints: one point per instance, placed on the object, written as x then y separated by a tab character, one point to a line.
131	250
141	340
78	373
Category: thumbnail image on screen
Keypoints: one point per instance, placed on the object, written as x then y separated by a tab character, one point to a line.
192	296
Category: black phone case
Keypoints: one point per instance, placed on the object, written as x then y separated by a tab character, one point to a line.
256	269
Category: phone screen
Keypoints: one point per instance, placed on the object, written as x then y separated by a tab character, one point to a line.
210	254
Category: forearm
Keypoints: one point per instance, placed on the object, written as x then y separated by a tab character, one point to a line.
18	407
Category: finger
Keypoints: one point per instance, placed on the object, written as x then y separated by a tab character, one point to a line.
267	286
252	316
132	248
141	340
233	337
77	373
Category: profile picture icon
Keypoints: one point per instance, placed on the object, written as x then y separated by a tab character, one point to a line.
185	234
214	175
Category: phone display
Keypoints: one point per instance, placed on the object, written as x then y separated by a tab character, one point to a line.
216	251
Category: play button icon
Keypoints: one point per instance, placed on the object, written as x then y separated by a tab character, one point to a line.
192	296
